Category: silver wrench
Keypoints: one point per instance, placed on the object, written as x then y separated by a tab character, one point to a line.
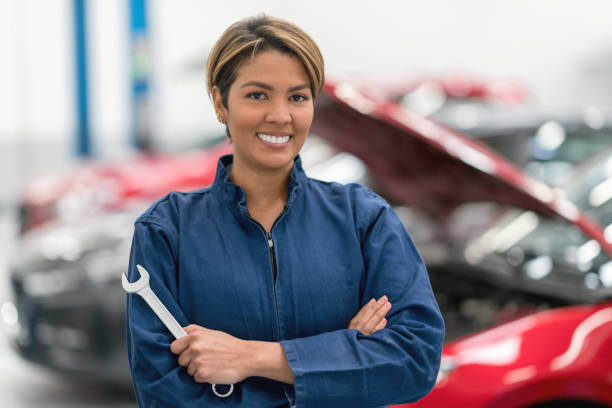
142	288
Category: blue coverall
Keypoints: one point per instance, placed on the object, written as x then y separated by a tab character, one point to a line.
332	249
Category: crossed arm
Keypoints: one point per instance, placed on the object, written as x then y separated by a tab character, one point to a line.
373	363
218	358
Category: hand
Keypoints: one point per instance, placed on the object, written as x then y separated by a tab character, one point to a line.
371	317
212	356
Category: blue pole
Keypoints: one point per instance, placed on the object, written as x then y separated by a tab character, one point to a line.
83	142
138	15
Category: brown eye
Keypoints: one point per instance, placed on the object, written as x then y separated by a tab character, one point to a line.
258	96
298	98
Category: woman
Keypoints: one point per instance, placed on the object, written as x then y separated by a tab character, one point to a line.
276	275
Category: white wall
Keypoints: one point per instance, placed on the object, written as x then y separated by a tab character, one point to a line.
562	50
109	76
36	90
36	100
551	46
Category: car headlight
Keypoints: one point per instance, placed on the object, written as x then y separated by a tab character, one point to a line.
89	197
9	317
44	283
104	265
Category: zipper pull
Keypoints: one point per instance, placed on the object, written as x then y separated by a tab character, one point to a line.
270	242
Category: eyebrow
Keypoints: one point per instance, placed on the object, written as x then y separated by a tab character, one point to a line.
270	88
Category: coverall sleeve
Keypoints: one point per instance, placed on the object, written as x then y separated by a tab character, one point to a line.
158	379
398	364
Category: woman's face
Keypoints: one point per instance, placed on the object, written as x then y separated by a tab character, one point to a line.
269	111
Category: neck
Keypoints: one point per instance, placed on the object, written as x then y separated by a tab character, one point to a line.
262	187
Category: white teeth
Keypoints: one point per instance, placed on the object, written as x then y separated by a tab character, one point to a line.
273	139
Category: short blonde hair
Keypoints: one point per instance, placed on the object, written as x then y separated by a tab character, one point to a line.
247	37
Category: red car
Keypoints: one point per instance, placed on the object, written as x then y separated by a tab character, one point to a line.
101	187
556	358
560	357
435	91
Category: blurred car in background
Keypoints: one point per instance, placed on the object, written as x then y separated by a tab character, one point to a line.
447	180
524	250
560	357
426	95
74	245
65	275
75	240
509	251
556	358
546	144
98	187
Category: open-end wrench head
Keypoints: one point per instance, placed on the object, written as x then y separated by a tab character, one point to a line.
138	285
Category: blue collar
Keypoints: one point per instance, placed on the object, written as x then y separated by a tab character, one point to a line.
234	196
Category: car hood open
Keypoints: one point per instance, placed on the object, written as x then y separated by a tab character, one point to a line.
418	162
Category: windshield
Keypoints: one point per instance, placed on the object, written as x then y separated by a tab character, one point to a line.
591	190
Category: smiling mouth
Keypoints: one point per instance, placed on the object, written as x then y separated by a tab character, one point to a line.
273	139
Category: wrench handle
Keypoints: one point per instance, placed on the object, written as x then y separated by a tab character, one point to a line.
162	312
170	322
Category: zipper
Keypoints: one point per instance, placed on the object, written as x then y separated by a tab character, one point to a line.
270	241
268	235
274	273
272	256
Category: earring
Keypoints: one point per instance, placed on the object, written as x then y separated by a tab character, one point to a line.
220	118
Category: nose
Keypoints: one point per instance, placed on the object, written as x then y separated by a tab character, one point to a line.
279	112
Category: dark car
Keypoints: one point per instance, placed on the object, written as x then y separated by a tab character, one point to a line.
65	274
547	144
521	249
74	245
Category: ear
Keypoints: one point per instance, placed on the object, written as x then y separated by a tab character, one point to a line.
218	103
